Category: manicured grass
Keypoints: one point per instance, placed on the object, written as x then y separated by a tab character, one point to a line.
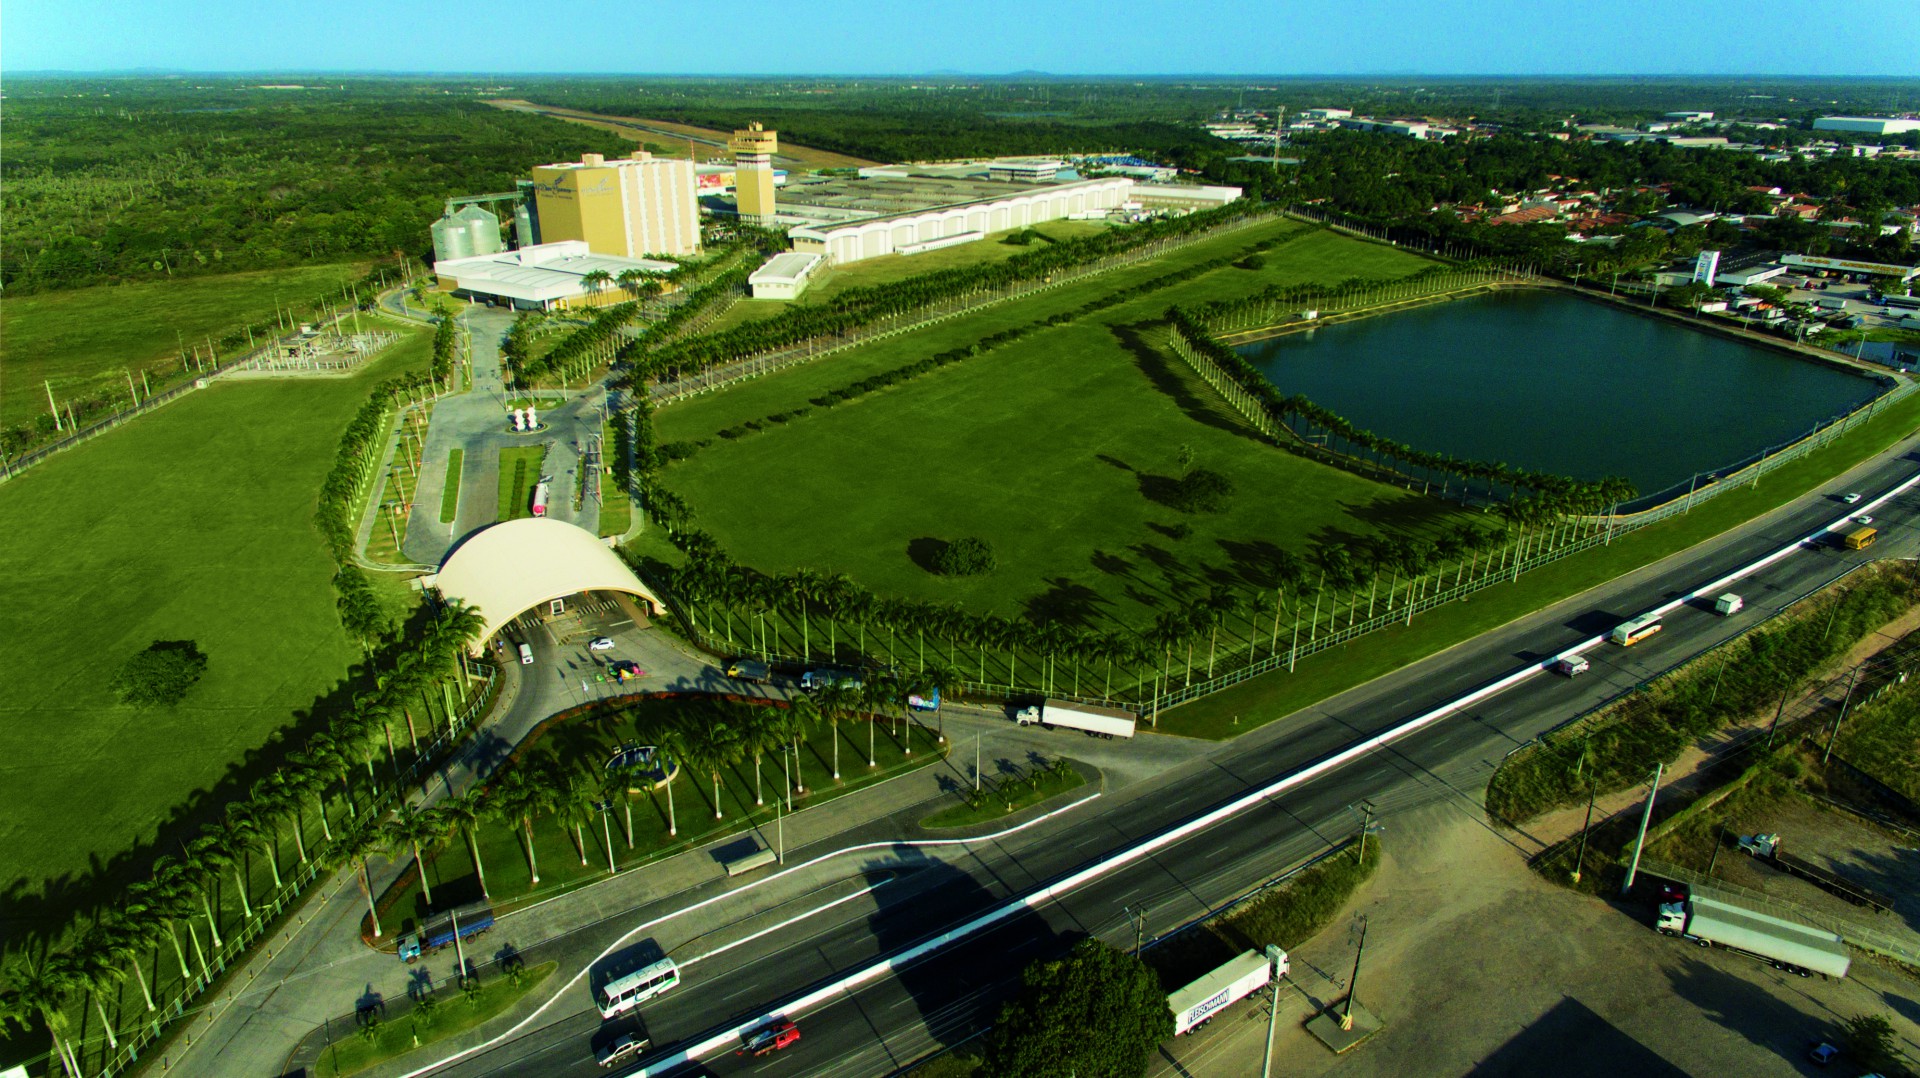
1003	795
616	505
1271	696
588	740
453	1013
450	491
194	523
389	534
1057	450
519	473
80	340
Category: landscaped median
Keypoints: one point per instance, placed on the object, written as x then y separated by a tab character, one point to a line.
426	1019
1009	792
579	801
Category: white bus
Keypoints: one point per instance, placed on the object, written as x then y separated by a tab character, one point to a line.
623	994
1632	632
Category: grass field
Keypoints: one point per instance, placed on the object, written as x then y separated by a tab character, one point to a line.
194	523
1057	450
453	1013
519	472
450	490
80	340
389	535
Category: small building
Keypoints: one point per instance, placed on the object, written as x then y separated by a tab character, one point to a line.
785	275
1190	196
1024	171
1740	278
1324	115
1689	116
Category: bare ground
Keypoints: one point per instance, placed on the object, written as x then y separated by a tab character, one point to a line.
1480	966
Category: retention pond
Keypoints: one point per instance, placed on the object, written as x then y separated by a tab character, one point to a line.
1556	383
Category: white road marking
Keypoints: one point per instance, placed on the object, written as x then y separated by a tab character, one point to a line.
795	919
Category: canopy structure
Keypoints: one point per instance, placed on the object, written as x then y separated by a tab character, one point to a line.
512	567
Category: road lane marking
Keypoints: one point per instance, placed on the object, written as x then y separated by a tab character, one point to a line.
795	919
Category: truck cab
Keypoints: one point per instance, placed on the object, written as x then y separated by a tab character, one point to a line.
1672	920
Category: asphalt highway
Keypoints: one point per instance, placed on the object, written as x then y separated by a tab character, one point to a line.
950	995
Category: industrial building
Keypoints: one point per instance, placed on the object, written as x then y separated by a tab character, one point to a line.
784	276
1002	206
753	151
1866	125
1019	171
629	207
544	276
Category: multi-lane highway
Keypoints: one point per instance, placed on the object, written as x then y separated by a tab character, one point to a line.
896	896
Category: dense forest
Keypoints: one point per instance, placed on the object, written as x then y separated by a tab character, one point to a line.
115	180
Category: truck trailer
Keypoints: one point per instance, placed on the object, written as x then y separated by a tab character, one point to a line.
1197	1003
1787	945
463	923
1767	847
1095	721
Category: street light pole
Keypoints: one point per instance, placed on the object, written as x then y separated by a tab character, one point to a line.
1274	957
1646	817
1827	753
1580	861
1353	982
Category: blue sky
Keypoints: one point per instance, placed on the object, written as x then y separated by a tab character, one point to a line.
881	37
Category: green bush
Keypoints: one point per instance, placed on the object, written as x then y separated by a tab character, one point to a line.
161	675
1202	491
964	557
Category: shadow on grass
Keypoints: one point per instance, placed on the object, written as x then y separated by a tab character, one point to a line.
1159	371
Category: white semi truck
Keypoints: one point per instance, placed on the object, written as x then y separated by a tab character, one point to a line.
1241	977
1788	945
1096	721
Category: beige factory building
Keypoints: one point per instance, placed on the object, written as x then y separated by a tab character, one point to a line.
629	207
753	151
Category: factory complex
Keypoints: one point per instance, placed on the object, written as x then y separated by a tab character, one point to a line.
586	229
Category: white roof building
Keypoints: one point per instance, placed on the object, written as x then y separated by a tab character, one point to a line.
1868	125
785	275
542	276
509	568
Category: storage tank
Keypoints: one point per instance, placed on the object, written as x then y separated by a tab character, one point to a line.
451	239
483	229
524	233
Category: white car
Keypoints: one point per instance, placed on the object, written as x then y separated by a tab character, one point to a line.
600	643
1864	519
1850	498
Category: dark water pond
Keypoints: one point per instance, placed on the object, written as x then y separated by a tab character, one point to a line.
1560	384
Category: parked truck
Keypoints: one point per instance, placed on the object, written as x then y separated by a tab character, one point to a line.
1766	847
1728	605
1197	1003
1787	945
541	491
463	923
1095	721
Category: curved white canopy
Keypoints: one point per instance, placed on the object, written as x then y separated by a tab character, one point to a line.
514	566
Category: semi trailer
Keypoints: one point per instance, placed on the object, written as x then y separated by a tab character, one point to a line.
1767	847
1095	721
1787	945
1197	1003
463	923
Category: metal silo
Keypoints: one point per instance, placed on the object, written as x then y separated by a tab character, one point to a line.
523	231
483	230
451	239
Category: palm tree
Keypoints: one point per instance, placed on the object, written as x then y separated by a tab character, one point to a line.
671	752
718	746
595	280
410	827
358	847
164	897
251	824
42	988
467	812
277	797
95	970
801	715
763	732
575	794
836	702
125	934
520	796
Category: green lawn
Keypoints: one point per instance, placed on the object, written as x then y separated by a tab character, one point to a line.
1055	449
1274	695
193	523
80	340
1004	795
870	271
519	472
450	490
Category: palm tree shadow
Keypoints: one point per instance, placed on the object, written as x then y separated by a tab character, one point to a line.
1160	372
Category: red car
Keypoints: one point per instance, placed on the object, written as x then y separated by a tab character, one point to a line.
770	1038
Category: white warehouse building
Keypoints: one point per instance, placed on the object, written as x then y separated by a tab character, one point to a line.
1866	125
875	236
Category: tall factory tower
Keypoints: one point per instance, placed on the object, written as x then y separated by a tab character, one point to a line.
753	151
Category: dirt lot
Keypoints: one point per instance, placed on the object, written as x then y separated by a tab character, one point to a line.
1479	966
1830	839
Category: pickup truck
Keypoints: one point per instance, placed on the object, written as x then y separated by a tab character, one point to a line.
770	1038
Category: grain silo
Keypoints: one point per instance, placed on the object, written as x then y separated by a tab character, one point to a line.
452	238
483	230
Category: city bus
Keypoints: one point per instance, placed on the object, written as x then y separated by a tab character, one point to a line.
1860	539
1632	632
623	994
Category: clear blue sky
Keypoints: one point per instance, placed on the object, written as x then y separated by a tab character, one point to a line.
899	37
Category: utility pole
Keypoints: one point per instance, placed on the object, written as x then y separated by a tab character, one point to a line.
1827	753
1580	860
1138	918
1366	822
1640	840
1353	982
1275	956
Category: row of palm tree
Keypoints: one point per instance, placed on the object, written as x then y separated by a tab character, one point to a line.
205	889
855	308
